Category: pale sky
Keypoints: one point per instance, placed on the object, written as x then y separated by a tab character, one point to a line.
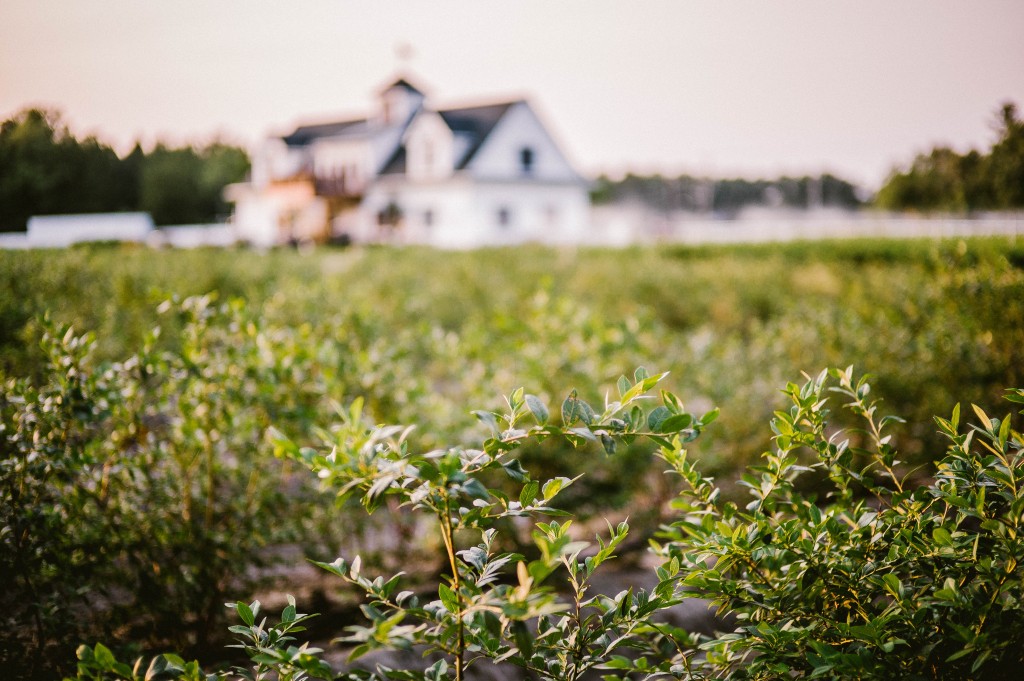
716	87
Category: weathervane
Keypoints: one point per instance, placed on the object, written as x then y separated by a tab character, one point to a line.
404	52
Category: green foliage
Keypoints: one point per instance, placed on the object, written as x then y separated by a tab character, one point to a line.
45	170
44	452
267	645
488	595
722	195
873	579
185	185
136	494
418	338
944	180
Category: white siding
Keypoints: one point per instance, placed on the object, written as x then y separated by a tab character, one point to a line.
519	129
449	203
535	212
464	213
429	148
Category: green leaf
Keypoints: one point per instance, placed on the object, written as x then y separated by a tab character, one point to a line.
942	537
522	637
358	652
675	423
448	598
657	417
514	469
608	442
538	409
982	416
245	613
1004	433
569	415
157	666
529	493
710	416
476	489
574	409
104	658
554	486
488	419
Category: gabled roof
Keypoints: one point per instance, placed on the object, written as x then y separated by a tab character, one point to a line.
477	122
473	122
403	83
395	164
304	134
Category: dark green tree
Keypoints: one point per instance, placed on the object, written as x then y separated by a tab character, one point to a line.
185	185
944	180
45	170
1006	161
934	182
223	164
169	187
30	172
690	193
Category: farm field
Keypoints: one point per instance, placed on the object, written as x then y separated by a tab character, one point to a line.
146	383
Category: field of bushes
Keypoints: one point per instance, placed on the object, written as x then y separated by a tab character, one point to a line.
140	387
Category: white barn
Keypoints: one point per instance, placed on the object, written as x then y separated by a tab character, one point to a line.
453	178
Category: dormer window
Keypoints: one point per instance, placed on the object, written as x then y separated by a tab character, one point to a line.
526	160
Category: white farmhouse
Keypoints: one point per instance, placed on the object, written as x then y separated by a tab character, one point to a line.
410	173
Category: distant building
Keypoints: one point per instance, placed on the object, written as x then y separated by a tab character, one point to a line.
60	231
411	173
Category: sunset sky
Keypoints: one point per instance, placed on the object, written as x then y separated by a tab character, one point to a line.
720	88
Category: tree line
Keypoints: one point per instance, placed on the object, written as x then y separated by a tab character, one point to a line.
943	180
46	170
725	196
940	180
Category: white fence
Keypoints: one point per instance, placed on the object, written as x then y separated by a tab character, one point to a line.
618	225
193	236
857	226
61	231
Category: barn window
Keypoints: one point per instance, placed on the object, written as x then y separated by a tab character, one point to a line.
526	160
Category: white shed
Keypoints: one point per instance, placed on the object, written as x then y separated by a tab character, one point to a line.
59	231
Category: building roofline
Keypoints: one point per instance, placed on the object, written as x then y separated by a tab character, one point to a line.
402	80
